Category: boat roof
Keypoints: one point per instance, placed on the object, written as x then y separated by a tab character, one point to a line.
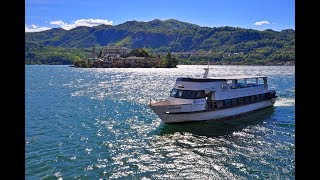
221	78
237	77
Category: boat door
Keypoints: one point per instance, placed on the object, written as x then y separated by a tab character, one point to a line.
213	93
210	95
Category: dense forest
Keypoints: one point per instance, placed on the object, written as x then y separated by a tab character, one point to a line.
189	43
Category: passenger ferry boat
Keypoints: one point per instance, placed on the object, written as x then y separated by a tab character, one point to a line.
199	99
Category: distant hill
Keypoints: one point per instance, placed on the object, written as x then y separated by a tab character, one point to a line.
216	44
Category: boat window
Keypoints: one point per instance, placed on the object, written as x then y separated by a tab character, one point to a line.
227	102
260	81
220	104
246	99
241	100
179	94
241	83
234	101
224	85
253	98
253	82
258	97
187	94
200	94
173	92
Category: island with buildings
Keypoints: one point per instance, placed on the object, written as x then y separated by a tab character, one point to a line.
121	57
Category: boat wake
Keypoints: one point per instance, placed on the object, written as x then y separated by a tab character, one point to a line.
285	102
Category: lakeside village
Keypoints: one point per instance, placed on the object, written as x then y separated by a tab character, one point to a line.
121	57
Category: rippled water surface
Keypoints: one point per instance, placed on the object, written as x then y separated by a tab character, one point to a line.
95	124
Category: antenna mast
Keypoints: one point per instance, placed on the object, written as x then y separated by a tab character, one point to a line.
205	75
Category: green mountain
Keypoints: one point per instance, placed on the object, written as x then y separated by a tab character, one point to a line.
193	42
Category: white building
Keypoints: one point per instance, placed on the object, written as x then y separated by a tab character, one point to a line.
114	52
134	60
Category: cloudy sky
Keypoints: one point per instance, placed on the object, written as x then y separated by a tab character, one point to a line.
254	14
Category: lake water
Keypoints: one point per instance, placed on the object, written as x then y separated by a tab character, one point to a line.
95	124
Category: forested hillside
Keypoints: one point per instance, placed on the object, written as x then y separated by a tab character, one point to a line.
192	44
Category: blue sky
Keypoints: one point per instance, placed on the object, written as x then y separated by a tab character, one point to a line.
254	14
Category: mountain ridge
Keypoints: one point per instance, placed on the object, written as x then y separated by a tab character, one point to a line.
167	31
175	36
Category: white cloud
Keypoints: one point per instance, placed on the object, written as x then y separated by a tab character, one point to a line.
81	22
66	26
259	23
35	28
59	22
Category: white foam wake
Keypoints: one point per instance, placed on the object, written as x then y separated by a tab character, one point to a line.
285	102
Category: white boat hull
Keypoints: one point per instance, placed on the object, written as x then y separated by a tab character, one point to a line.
210	115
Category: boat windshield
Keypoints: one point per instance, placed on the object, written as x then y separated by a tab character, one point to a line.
187	94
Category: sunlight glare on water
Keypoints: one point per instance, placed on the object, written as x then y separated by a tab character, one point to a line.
95	123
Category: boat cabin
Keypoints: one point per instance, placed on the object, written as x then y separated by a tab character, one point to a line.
223	91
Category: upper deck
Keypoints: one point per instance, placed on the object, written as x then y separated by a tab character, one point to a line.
237	77
220	78
225	86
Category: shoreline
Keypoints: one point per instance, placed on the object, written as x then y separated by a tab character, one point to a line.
288	63
70	65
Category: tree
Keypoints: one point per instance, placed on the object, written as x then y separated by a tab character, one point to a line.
100	54
171	61
138	53
80	63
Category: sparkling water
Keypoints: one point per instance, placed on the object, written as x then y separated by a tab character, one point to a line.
95	123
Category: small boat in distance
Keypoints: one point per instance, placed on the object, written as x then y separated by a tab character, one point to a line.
199	99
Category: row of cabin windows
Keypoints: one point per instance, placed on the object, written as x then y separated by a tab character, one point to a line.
187	94
238	101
